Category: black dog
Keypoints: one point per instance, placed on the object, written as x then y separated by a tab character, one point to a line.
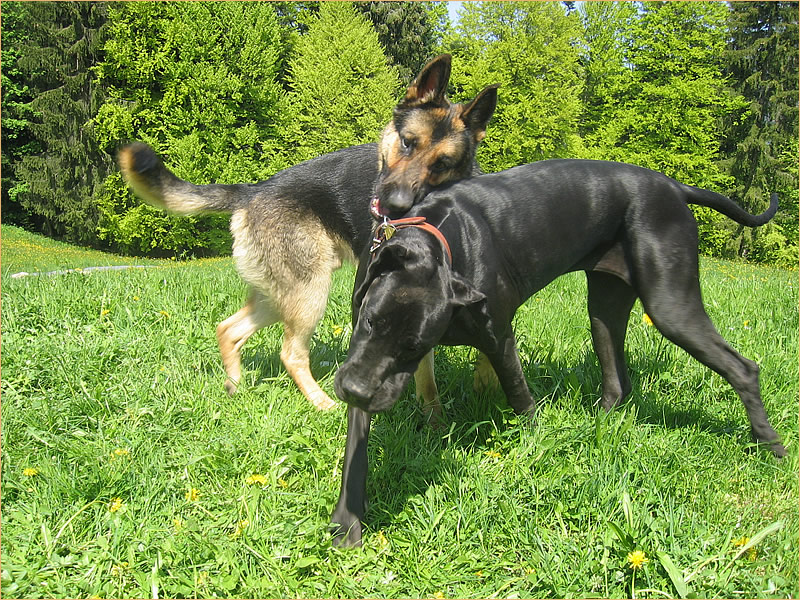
511	234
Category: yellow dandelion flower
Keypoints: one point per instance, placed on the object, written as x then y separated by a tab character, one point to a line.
439	595
338	330
493	454
647	320
178	524
119	570
479	573
115	505
382	540
104	312
256	478
164	314
202	578
739	542
119	452
282	482
30	472
637	559
192	495
747	324
136	298
752	554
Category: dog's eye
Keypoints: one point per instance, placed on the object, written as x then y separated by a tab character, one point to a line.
407	144
442	164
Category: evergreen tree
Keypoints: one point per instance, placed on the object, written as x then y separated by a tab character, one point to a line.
62	41
762	61
197	81
16	114
531	50
343	90
408	31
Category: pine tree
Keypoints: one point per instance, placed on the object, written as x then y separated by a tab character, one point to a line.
762	61
408	31
62	42
343	90
197	81
531	50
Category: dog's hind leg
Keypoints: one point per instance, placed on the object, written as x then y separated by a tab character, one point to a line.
301	314
671	296
484	377
234	331
610	301
426	387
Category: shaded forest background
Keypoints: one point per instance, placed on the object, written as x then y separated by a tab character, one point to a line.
226	92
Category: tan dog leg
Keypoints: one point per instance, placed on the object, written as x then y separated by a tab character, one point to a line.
426	387
234	331
485	377
301	316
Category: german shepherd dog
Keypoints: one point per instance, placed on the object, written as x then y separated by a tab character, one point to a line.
293	230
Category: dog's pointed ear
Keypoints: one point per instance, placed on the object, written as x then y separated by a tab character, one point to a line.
477	113
474	305
430	85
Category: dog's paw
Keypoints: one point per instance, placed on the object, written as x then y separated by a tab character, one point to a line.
231	386
322	401
346	536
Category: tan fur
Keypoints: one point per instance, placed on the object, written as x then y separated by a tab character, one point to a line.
288	265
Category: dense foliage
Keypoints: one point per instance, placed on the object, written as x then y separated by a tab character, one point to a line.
703	91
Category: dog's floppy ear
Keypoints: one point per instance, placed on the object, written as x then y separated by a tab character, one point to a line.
477	113
388	257
430	85
474	306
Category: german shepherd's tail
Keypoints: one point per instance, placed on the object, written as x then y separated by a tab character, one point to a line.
158	186
728	207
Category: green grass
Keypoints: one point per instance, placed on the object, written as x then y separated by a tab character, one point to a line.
112	389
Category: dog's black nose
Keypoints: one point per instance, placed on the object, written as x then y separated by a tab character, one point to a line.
399	201
350	390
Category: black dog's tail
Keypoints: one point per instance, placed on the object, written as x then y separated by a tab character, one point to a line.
158	186
729	208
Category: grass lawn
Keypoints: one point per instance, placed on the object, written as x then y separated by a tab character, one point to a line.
128	472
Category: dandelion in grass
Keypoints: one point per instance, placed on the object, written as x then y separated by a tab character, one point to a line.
179	524
255	478
119	570
338	330
647	320
382	539
104	312
240	527
136	298
192	495
494	454
439	595
30	472
120	453
637	559
282	482
739	542
116	505
747	324
164	314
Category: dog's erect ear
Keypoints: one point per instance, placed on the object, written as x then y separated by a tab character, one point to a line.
430	85
477	113
474	306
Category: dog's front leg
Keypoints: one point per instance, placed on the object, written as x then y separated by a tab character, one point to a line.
349	512
509	372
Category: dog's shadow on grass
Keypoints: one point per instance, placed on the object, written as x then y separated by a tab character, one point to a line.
406	454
